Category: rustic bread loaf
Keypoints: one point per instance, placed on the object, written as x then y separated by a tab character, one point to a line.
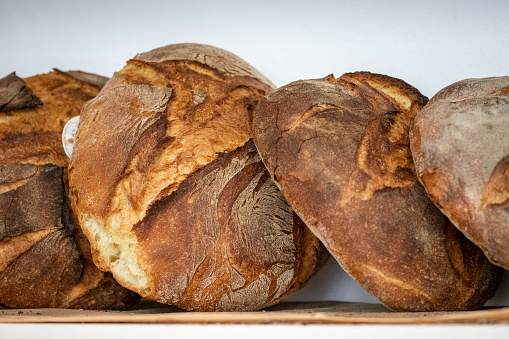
339	151
460	144
44	261
172	195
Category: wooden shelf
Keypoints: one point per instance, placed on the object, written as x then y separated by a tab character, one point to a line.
333	312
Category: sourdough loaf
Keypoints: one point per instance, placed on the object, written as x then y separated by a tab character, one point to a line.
339	151
172	195
460	143
44	260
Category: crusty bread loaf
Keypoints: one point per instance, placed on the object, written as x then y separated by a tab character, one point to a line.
460	144
172	195
339	151
44	261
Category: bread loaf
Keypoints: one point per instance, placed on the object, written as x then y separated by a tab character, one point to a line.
339	151
44	260
460	144
172	195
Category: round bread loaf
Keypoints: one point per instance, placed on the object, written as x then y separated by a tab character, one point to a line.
339	151
172	195
460	144
44	260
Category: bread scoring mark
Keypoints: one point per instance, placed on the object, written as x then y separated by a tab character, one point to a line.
11	248
400	93
203	70
222	62
14	176
402	99
383	156
91	279
194	141
496	191
312	111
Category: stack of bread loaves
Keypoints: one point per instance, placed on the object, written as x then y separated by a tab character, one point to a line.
177	204
44	261
198	184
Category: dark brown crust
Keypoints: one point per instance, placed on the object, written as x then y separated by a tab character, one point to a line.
109	295
90	78
218	259
41	266
14	94
43	275
36	205
468	120
339	151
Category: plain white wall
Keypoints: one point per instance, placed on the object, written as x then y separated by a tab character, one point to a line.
429	44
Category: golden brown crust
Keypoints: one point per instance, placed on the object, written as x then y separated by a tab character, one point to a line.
339	151
34	134
171	193
461	149
112	141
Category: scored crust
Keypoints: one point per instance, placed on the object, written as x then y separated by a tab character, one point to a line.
167	115
339	151
460	143
40	264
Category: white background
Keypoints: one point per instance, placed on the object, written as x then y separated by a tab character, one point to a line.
429	44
